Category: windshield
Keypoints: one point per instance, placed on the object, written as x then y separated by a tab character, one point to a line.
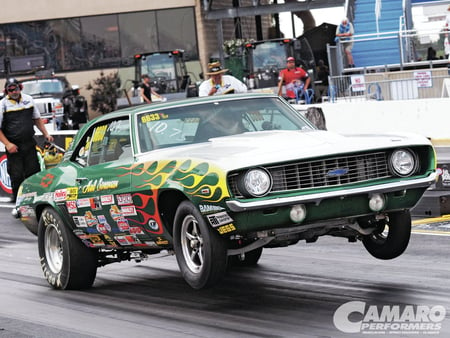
43	86
158	66
199	122
269	54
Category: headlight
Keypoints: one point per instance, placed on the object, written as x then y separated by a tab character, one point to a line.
403	162
255	183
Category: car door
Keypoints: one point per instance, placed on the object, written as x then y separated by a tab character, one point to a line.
104	211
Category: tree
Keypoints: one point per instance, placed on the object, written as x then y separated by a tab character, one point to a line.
105	92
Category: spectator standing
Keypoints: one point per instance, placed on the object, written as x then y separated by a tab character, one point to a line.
218	83
447	30
322	78
147	90
293	78
18	116
344	34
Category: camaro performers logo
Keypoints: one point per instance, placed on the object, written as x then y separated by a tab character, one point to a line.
359	317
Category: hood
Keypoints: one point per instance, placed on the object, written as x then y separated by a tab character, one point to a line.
256	148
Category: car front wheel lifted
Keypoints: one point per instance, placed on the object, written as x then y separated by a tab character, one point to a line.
391	237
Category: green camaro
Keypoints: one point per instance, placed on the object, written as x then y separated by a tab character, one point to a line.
215	180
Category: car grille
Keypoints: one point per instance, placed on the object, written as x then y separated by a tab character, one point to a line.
327	172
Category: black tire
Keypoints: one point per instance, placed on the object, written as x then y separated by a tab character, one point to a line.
66	262
391	238
201	253
251	258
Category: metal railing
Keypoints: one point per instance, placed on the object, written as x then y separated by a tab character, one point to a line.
413	49
401	85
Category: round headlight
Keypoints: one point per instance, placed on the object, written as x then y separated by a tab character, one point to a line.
255	183
403	162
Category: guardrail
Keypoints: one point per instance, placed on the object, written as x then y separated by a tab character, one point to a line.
400	85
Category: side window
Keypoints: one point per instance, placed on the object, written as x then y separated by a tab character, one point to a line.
106	142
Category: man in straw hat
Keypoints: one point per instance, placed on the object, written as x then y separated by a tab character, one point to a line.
218	83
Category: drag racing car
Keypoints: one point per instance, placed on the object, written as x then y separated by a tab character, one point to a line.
215	181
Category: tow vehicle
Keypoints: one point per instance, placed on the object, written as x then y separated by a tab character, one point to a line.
168	73
264	59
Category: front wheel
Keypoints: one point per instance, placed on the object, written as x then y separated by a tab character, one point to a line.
66	262
201	253
391	238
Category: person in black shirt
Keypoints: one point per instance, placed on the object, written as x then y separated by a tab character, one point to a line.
147	90
18	116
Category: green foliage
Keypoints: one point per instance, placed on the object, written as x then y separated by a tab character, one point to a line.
105	92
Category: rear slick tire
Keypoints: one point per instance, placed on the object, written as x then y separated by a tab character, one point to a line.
66	262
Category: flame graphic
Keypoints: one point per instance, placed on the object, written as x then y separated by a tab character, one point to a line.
200	179
148	203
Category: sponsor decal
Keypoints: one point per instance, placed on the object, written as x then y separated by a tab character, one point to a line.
207	208
95	203
122	224
219	219
47	180
60	195
115	212
107	199
110	241
359	317
127	240
124	199
72	207
26	211
103	228
5	180
72	193
129	210
226	228
96	240
99	185
80	221
90	219
83	203
161	241
136	231
153	225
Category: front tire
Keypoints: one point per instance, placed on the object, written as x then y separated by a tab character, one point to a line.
250	258
391	238
201	253
66	262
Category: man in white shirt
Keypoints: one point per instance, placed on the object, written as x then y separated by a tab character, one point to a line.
218	83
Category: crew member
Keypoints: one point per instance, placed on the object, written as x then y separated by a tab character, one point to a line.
18	116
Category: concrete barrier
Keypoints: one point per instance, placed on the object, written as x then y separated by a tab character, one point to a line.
428	117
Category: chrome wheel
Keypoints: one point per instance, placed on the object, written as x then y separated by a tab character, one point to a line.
201	253
53	248
192	244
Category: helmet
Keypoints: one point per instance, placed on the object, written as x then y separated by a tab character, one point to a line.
12	82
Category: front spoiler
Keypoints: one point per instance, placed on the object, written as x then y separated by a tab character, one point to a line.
239	206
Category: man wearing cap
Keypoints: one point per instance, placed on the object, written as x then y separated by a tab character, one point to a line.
18	116
218	83
294	78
